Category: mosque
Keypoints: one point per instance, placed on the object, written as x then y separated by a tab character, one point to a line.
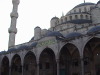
71	46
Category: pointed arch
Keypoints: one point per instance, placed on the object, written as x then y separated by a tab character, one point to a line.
16	66
91	55
69	58
29	64
5	66
47	62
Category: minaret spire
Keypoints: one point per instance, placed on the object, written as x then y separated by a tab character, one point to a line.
13	30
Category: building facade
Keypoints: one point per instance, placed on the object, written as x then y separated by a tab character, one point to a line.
71	46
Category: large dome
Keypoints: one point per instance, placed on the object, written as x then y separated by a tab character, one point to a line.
80	13
84	4
83	7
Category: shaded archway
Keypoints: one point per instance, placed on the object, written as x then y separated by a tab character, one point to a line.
5	66
96	54
29	64
16	67
92	56
47	62
69	60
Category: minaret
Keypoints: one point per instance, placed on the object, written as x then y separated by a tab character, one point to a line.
13	30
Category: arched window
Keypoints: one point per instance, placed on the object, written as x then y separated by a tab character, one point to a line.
65	18
61	20
76	16
70	17
90	17
81	16
86	16
79	10
85	10
74	11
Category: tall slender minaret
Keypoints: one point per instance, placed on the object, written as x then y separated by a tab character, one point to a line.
13	30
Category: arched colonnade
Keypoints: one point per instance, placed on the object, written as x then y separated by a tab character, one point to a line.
69	61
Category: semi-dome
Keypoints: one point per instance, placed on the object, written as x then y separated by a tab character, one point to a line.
84	4
98	2
22	47
2	52
54	33
11	49
32	39
33	44
73	35
95	29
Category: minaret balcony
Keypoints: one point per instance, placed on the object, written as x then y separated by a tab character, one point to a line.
14	14
12	30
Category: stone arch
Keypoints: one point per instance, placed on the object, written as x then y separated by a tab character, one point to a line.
69	58
29	64
90	56
16	66
5	66
28	52
96	58
42	49
47	62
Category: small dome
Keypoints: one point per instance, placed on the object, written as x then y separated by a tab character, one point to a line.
33	44
54	18
2	52
22	47
54	33
37	27
31	39
79	21
95	29
84	4
73	35
11	49
98	2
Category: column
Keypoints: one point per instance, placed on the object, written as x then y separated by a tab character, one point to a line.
37	67
22	70
10	70
0	68
82	65
57	60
